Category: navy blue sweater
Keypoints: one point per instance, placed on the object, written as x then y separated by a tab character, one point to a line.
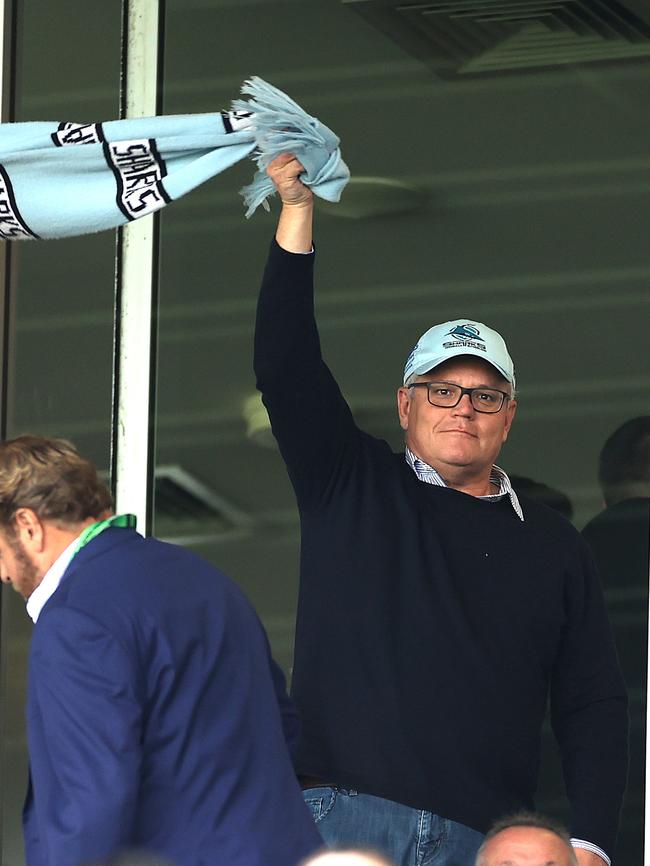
432	625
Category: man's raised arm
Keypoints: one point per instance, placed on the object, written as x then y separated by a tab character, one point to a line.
309	417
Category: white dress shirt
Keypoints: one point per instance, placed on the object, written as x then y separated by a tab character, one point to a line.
48	586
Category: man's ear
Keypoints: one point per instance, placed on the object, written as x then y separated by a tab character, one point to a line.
30	529
511	411
403	406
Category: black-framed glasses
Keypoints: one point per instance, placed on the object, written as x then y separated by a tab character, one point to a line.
446	395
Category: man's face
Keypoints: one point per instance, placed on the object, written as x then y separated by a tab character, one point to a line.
16	566
526	846
459	439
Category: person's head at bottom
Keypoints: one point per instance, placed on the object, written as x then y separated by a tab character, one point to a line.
526	839
347	857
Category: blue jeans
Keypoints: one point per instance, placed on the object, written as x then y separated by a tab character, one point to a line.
408	837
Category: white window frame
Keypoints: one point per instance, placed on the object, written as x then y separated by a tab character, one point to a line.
136	312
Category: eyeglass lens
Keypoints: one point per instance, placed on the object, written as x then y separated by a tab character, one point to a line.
445	395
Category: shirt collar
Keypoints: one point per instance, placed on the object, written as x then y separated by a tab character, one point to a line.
50	583
498	477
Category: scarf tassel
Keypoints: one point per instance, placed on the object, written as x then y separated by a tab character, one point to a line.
280	125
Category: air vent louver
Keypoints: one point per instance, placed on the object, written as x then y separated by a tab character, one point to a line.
188	511
479	37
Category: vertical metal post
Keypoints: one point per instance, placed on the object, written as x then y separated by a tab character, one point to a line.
8	51
646	844
137	282
8	17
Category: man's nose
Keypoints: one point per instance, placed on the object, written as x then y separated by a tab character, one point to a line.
464	406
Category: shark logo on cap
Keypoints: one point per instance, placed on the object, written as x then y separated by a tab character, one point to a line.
465	332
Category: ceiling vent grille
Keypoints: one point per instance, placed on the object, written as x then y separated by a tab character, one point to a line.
481	37
187	511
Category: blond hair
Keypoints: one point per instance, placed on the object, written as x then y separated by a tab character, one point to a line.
52	478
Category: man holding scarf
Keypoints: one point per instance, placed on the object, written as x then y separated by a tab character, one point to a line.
438	610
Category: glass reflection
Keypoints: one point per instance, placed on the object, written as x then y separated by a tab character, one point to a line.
60	364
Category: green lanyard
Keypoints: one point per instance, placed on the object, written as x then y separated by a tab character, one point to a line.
124	521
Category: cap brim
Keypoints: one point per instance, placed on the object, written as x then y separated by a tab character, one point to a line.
431	364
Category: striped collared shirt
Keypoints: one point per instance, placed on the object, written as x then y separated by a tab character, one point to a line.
498	477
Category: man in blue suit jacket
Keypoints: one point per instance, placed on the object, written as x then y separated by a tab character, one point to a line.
156	716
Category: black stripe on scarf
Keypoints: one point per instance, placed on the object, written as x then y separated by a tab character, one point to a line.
12	225
78	133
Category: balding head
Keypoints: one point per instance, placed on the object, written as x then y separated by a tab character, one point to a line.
526	840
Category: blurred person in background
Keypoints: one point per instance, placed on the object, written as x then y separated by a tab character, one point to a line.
541	492
619	536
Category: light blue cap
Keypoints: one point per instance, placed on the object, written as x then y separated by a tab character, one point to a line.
459	337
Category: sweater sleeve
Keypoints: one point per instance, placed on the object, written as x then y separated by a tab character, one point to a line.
309	416
589	710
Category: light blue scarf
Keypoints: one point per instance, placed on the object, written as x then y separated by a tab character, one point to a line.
64	179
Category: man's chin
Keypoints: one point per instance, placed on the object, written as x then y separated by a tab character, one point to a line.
23	589
457	460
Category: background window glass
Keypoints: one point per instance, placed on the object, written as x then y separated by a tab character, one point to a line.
61	355
512	198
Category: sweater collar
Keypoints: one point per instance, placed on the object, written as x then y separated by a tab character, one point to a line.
498	477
